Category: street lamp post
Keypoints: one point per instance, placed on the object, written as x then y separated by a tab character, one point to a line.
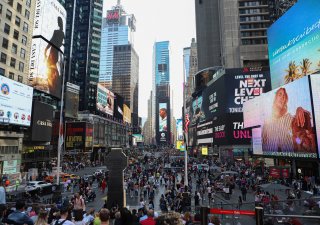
186	136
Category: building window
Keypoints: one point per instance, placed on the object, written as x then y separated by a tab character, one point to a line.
21	66
5	43
10	2
3	58
2	72
6	28
28	3
18	20
9	14
24	40
23	53
14	48
25	27
27	14
13	62
11	75
19	8
20	79
16	34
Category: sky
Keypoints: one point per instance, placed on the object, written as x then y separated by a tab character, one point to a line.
160	20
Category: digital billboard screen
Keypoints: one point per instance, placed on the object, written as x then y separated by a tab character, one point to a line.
50	22
287	127
42	122
163	123
179	126
126	114
105	100
72	100
293	43
245	84
75	135
113	16
46	67
15	102
118	107
315	88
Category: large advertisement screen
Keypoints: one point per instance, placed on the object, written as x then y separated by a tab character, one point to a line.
287	127
46	66
179	126
105	100
293	43
126	114
245	85
118	107
50	22
75	135
42	121
163	123
113	16
315	87
15	102
72	100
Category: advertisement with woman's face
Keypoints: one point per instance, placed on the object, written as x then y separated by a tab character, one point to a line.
288	128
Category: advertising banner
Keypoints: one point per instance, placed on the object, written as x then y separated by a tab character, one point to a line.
118	107
15	102
72	100
10	167
105	100
46	67
42	120
113	16
204	133
163	123
126	114
179	129
293	43
245	84
50	22
204	150
256	141
287	127
315	88
75	135
138	137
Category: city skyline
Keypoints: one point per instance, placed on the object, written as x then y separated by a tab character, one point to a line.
163	23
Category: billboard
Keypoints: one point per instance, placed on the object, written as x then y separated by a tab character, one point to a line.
75	135
245	85
163	123
15	102
179	129
113	16
42	121
126	114
293	43
287	127
315	88
50	22
138	137
72	100
105	100
46	67
118	107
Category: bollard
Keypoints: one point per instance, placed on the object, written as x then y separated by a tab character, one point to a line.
204	215
259	215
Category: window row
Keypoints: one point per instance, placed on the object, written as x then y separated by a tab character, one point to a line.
15	34
13	62
10	75
14	48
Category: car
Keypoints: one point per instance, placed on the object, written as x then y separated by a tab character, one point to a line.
37	185
74	177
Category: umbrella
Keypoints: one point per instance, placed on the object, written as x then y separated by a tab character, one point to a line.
274	187
229	172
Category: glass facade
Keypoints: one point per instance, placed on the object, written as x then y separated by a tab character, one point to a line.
161	63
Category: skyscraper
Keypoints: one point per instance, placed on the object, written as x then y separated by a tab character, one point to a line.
190	67
232	33
125	78
82	48
161	90
117	29
16	34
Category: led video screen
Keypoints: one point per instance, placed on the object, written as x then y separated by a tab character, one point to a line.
105	100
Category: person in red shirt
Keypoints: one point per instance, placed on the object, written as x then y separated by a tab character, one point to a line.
103	185
150	220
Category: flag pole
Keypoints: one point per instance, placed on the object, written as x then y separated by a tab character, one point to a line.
60	139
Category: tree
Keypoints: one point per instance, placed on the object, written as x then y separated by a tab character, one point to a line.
292	72
305	67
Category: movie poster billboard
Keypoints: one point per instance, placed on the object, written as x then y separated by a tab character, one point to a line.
315	88
163	122
293	43
105	100
245	84
287	127
50	22
72	100
126	114
42	122
75	135
15	102
46	67
179	126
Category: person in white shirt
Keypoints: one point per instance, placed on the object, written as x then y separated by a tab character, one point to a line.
2	194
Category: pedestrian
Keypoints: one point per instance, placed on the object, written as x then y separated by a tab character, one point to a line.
19	216
42	218
103	185
239	202
244	193
2	193
78	203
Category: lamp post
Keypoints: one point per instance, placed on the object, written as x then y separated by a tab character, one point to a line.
186	136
